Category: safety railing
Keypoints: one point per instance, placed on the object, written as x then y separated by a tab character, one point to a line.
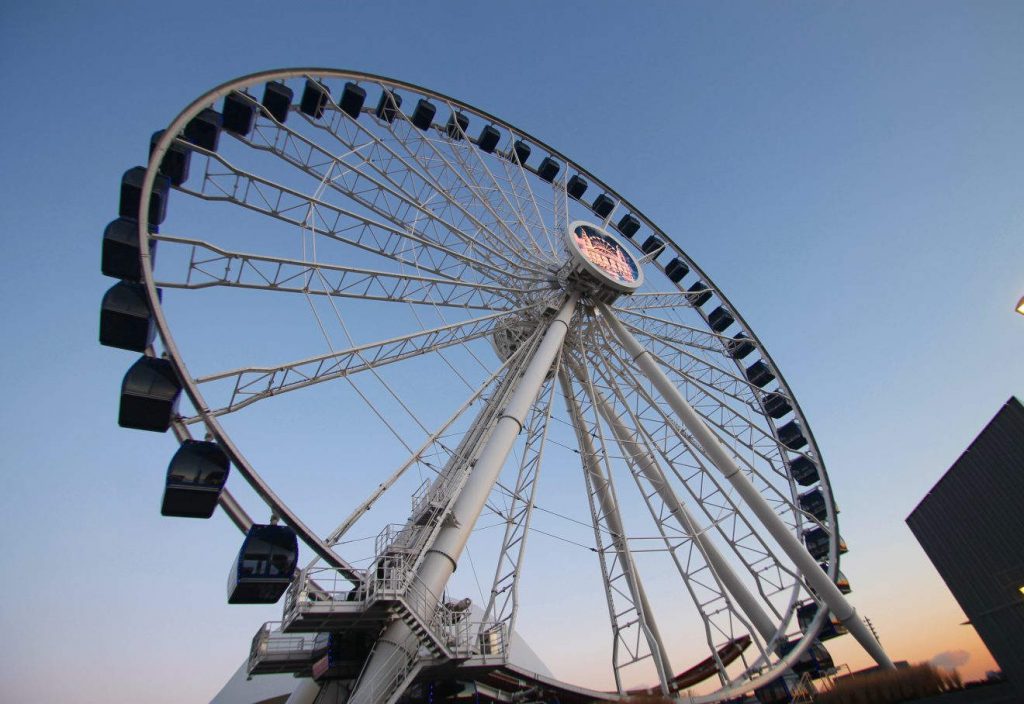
392	584
270	645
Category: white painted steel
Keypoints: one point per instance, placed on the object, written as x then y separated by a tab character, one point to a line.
721	567
442	556
715	451
509	247
610	510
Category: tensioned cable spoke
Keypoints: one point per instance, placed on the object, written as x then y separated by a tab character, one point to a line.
698	370
702	484
459	151
381	155
340	224
731	428
725	419
438	168
211	265
339	532
387	200
254	383
780	500
671	444
712	598
516	173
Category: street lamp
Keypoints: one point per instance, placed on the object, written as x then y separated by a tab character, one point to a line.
1020	305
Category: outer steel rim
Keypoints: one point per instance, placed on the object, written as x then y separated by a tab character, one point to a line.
312	540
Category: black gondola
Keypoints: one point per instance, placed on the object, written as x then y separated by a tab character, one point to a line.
388	105
314	98
457	125
120	256
176	161
629	225
126	321
720	318
423	115
676	270
576	186
813	502
698	294
815	660
776	405
203	130
817	541
488	139
521	151
651	245
131	195
759	374
832	628
803	470
265	565
739	346
352	99
548	169
792	435
238	113
277	99
149	395
195	478
603	205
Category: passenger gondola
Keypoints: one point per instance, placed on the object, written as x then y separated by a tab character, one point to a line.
832	628
803	470
817	541
816	660
265	565
149	395
195	479
813	502
775	692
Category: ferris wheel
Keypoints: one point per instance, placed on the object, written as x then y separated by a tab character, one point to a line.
421	302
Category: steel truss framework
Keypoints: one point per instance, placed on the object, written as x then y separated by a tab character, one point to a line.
379	219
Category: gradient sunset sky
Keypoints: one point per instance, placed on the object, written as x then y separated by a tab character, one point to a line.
851	174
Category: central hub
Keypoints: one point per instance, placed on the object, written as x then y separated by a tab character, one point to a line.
600	264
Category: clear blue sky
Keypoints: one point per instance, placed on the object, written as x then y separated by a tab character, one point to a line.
851	174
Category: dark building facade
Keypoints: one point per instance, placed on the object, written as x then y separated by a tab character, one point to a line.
971	525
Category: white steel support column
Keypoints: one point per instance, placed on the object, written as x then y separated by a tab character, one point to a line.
610	509
728	577
442	557
816	577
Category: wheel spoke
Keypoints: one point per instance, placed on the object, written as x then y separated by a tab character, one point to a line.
210	266
251	384
662	436
675	443
242	188
450	180
362	180
503	604
634	633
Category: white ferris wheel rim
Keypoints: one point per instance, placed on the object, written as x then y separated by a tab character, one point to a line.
211	422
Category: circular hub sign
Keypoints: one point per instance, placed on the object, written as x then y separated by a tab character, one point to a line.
604	257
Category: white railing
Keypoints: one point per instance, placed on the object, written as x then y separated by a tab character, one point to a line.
324	590
270	644
320	586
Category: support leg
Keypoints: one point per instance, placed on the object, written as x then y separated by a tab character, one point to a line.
713	449
389	658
